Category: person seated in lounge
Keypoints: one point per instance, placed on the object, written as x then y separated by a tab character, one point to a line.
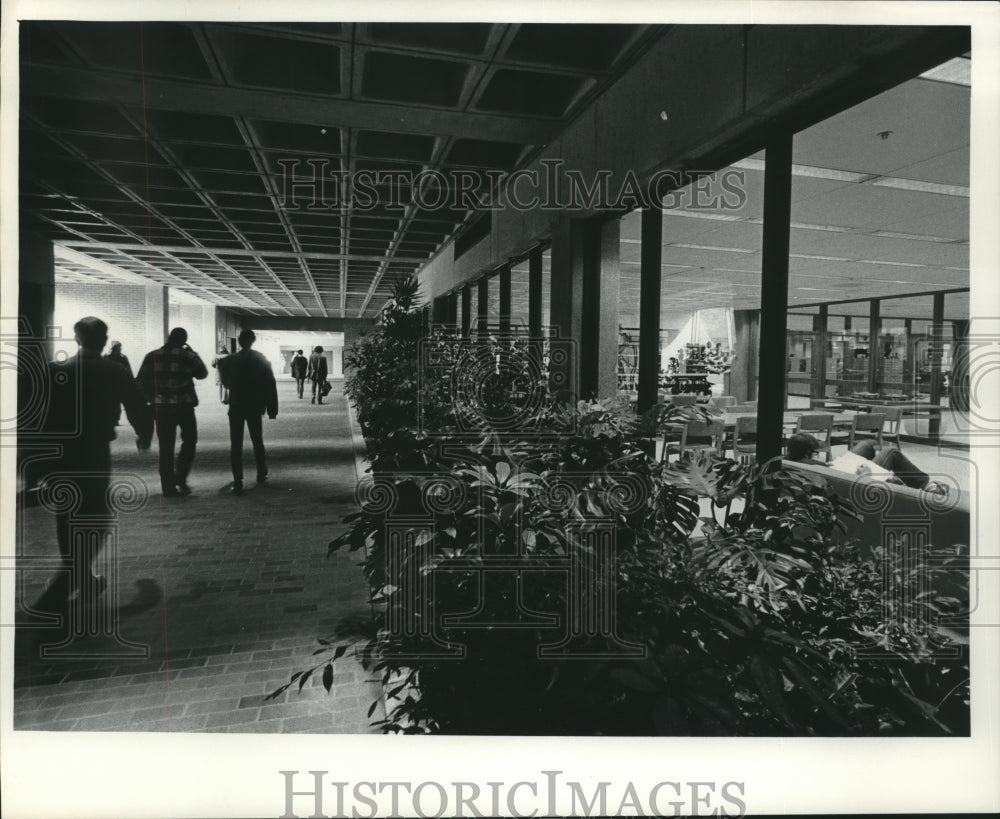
801	448
862	459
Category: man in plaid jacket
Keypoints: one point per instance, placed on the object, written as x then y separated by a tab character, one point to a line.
166	378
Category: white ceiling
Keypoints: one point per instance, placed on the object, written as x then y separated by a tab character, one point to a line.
850	188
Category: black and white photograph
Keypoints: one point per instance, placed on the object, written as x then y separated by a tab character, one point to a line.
502	411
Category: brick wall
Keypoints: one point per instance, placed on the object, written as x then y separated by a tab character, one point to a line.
122	307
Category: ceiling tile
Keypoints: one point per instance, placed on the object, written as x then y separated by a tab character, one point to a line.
529	93
586	46
413	80
462	38
291	64
152	47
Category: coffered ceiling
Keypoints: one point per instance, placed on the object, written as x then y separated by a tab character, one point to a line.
167	150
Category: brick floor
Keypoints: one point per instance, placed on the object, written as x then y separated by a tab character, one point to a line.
227	593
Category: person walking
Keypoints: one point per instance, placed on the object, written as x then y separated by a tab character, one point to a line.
86	394
223	392
300	366
317	374
252	392
116	357
166	378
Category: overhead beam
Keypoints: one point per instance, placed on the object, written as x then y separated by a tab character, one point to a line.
233	251
258	160
278	105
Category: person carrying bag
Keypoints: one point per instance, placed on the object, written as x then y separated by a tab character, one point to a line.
316	374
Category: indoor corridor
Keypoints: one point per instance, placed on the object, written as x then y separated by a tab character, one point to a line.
228	592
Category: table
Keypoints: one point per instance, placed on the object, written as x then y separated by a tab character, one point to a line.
841	420
686	383
909	406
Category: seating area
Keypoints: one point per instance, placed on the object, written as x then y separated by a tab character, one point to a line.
835	432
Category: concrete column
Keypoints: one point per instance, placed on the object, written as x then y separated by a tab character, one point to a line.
607	303
157	317
650	270
466	310
937	349
818	384
438	309
774	295
505	298
483	306
166	312
566	303
36	298
36	302
959	398
874	353
535	293
743	378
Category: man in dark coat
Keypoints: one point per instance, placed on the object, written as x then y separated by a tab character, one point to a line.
252	392
86	394
300	365
317	374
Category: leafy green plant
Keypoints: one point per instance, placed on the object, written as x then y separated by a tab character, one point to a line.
383	384
752	614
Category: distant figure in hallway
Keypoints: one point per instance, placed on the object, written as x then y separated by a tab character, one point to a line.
300	366
317	374
166	378
252	392
116	357
86	394
223	392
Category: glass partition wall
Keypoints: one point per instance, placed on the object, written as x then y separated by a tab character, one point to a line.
879	254
708	285
910	363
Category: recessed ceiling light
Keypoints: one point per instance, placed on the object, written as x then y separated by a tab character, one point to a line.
712	247
814	172
891	264
810	171
827	228
916	237
957	71
921	187
695	214
820	258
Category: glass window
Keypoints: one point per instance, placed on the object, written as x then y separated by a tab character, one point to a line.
519	287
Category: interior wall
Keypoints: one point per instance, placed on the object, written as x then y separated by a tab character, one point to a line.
199	321
122	306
